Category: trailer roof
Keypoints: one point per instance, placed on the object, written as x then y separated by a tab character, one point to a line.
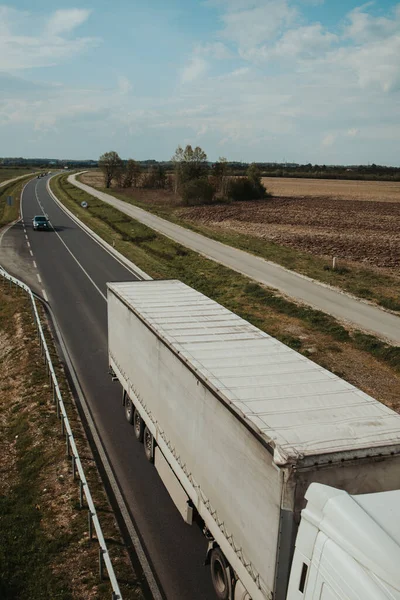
300	408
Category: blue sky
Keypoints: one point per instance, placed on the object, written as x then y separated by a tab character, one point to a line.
255	80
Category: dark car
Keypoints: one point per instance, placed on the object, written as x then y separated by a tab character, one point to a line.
40	222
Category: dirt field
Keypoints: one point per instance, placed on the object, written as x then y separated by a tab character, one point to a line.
367	232
377	191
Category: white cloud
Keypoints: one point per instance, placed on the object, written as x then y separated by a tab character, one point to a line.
374	55
329	139
124	85
217	50
305	42
363	27
313	2
375	64
44	48
65	20
352	132
249	24
195	69
45	123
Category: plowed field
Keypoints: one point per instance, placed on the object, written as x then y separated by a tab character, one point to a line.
362	231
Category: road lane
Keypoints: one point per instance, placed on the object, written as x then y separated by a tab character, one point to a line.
177	550
327	299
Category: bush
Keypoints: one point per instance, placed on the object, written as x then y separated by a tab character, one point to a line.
198	191
154	178
242	189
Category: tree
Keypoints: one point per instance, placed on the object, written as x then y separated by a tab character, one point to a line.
189	164
254	176
155	177
247	188
111	164
198	191
132	174
120	175
220	172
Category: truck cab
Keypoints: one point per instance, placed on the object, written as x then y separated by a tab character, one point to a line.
347	547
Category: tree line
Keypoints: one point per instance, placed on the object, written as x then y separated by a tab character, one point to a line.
192	177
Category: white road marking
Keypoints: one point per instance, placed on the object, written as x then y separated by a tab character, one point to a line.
90	233
28	244
45	295
99	445
34	264
26	236
38	276
71	253
79	264
31	253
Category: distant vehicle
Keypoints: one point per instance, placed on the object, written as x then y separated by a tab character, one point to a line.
40	222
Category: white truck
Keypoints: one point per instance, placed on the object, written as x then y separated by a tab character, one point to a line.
293	473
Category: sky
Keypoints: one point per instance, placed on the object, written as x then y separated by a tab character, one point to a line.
251	80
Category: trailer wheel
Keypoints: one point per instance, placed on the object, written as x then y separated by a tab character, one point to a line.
220	574
138	426
148	444
129	408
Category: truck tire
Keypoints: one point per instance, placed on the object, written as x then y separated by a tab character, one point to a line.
129	409
138	426
148	445
220	574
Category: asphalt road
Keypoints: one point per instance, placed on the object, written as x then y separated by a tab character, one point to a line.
329	300
71	269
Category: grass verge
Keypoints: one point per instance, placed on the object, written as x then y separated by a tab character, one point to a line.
11	213
45	551
10	173
362	282
160	257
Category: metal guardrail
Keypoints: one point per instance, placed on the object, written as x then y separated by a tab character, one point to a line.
72	451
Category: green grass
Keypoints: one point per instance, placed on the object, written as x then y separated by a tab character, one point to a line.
363	282
160	257
12	172
8	214
26	551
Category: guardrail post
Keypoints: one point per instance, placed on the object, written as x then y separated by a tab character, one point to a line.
90	525
81	493
73	467
58	407
62	424
67	445
101	563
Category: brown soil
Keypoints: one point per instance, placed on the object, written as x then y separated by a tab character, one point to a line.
354	230
378	191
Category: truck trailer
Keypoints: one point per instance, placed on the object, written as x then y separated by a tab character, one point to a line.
292	472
